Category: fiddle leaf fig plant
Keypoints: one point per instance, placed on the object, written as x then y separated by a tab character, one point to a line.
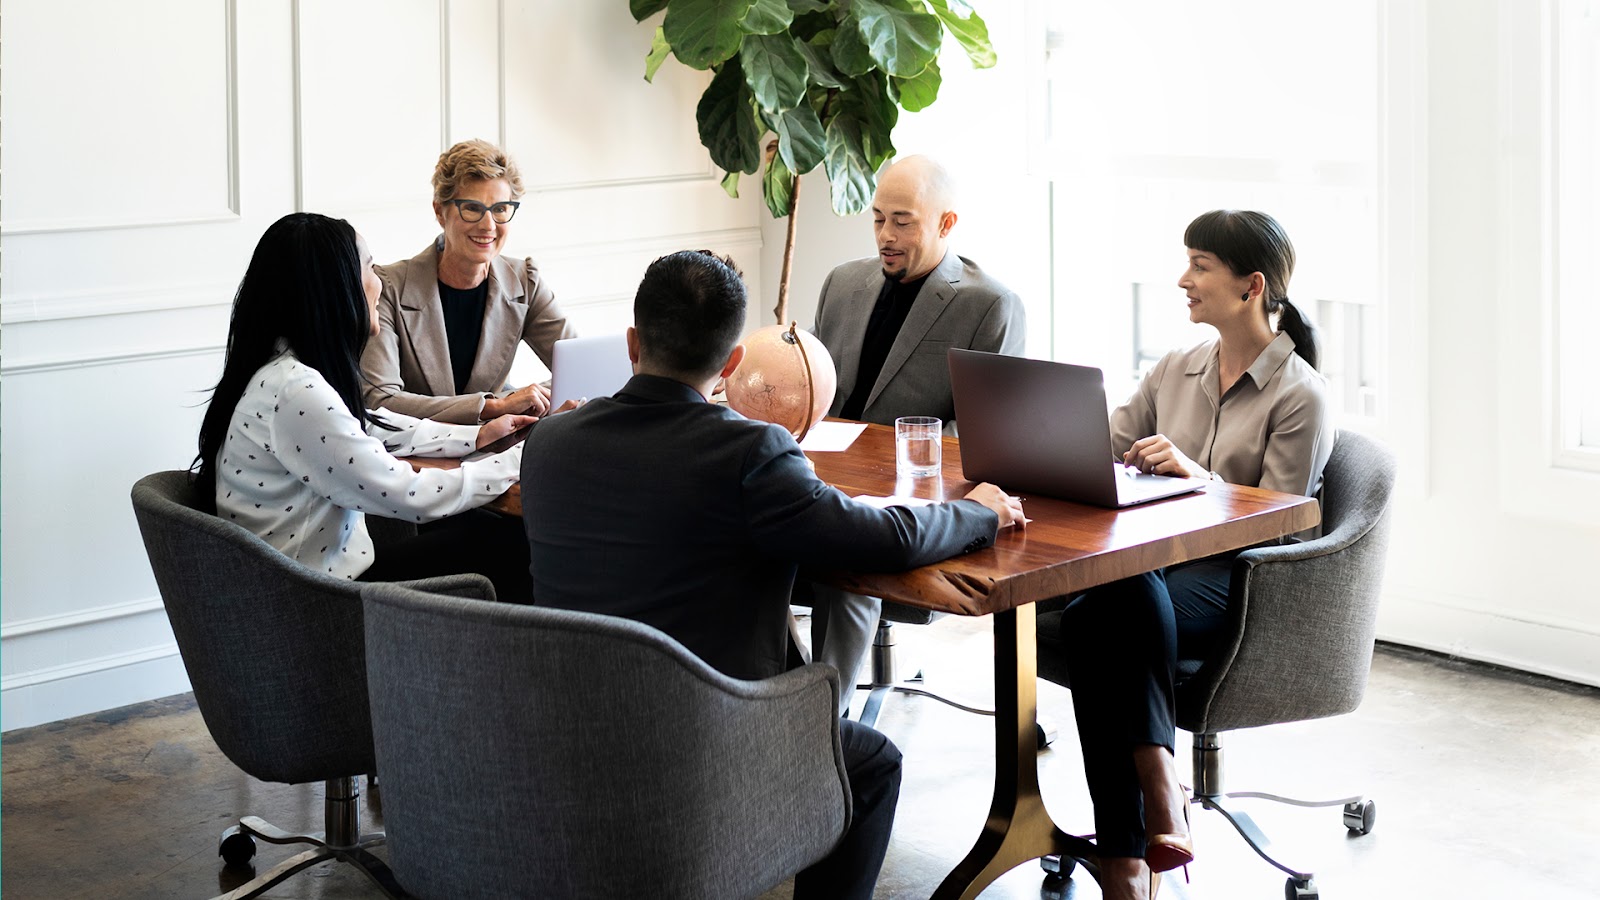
825	78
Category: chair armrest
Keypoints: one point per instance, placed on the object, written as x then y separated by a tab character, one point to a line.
468	584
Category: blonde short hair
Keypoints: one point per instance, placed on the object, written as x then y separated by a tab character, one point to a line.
474	160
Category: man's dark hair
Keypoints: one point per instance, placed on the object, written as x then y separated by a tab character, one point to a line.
689	313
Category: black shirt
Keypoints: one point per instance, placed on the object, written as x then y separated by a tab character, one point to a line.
463	327
888	314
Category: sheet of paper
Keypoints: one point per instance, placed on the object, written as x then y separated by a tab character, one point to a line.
831	437
892	500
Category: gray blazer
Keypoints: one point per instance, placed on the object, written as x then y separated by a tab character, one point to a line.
959	306
406	367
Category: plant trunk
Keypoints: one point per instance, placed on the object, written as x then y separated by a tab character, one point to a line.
782	309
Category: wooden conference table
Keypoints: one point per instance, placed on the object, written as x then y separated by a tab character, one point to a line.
1067	548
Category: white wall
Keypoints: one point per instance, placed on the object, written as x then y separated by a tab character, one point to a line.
1493	542
138	178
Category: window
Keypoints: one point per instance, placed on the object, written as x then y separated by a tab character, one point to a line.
1160	111
1576	202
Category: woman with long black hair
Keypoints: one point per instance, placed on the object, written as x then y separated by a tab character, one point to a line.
290	453
1246	408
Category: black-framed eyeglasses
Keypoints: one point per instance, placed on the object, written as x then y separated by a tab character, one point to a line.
472	210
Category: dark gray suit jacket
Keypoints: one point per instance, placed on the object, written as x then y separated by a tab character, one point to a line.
958	306
658	506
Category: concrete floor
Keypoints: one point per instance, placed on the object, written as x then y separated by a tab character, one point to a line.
1486	783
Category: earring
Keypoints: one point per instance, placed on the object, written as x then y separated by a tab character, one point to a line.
1245	296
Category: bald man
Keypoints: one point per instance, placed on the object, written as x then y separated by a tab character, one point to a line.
889	321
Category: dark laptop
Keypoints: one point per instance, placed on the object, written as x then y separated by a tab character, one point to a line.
1034	425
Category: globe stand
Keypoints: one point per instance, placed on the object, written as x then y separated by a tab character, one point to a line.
792	336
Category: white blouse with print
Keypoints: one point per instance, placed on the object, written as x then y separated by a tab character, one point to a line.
297	470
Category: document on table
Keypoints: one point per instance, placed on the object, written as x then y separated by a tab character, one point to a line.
832	437
892	500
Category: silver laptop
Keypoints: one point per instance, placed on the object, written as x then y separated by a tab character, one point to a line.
588	367
1033	425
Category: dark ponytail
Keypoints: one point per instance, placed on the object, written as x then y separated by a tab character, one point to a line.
1247	242
1298	328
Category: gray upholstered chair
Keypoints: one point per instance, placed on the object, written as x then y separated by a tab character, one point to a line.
1302	619
274	653
529	751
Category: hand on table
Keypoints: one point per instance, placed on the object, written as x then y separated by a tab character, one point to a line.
1007	507
533	400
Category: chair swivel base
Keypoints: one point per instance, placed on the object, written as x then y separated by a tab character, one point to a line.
885	682
342	842
1359	814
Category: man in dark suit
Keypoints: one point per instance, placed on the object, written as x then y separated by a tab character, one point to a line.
659	506
889	322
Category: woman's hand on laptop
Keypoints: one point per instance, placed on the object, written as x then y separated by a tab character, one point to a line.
502	426
1007	507
533	400
1156	455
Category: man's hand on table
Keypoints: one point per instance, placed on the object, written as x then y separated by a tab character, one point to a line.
1007	507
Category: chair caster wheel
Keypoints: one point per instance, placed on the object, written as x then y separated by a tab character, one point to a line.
1057	869
236	848
1360	816
1300	890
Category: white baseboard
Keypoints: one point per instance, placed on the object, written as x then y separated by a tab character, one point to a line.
41	696
1506	637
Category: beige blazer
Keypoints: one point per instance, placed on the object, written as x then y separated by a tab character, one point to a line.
407	365
959	306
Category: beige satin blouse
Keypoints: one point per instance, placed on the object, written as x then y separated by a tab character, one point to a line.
1273	428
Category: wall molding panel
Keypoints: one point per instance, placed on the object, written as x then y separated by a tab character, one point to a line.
117	301
227	211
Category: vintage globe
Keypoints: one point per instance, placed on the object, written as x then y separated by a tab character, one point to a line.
779	383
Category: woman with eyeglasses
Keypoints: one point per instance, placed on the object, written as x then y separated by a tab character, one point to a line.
449	318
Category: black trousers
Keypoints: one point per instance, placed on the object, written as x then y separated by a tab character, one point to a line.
850	872
1123	643
480	541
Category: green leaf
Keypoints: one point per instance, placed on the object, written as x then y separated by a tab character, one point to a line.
774	70
850	53
969	29
644	9
728	126
767	17
777	188
818	54
853	181
730	184
869	104
917	93
704	33
805	6
659	49
801	141
902	37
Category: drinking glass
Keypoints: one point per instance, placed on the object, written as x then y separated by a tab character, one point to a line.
917	447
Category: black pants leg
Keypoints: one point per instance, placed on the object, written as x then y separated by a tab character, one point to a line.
478	541
850	872
1123	643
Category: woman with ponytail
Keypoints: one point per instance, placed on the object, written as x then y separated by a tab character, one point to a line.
1246	408
288	451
